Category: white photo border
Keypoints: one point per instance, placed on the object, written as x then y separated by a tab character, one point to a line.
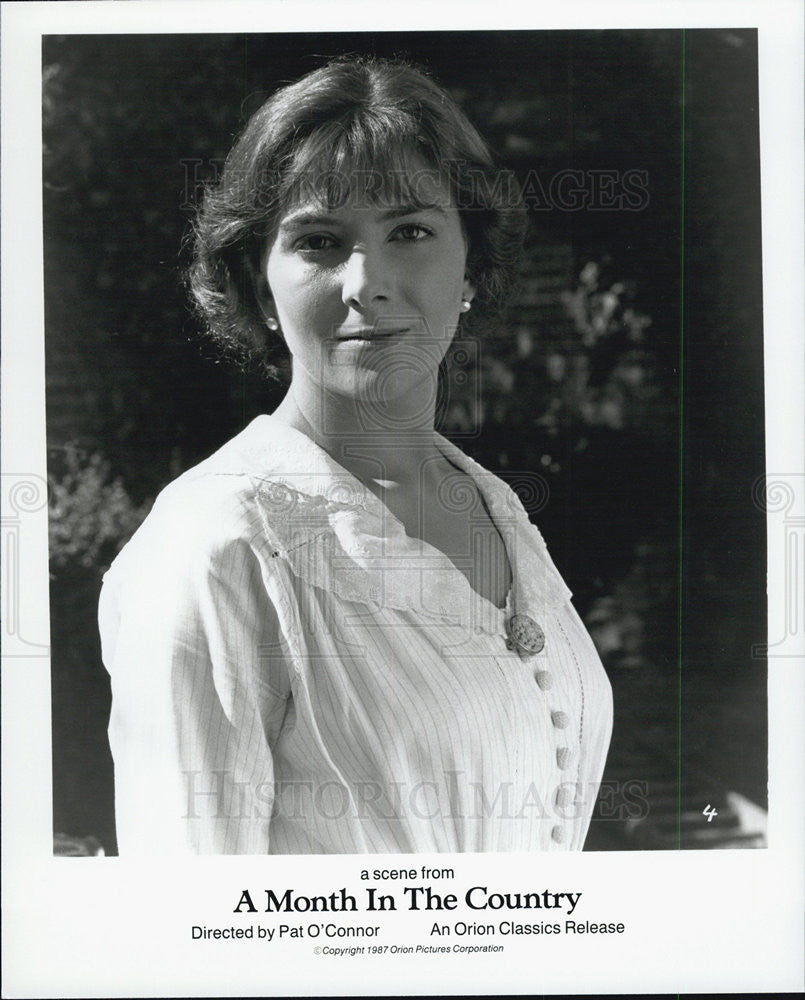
722	921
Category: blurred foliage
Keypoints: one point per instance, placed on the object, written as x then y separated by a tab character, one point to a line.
91	516
594	390
596	371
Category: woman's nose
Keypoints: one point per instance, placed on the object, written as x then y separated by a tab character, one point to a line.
366	280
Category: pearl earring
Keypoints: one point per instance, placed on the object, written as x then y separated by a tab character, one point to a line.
272	323
466	305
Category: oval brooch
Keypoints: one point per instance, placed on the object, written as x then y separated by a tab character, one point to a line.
525	635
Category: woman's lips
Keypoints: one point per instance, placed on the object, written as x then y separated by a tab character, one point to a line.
366	334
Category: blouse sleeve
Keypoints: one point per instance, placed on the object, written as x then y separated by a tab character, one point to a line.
199	695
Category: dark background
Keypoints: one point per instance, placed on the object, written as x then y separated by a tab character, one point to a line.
626	371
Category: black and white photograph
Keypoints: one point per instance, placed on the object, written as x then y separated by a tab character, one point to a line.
407	502
330	625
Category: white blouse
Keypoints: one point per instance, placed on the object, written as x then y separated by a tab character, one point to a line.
292	673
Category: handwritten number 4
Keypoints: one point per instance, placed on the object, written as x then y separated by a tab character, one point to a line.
709	812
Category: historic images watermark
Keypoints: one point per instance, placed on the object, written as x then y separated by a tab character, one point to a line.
219	795
24	496
568	189
781	496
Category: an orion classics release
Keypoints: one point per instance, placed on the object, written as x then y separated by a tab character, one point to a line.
348	923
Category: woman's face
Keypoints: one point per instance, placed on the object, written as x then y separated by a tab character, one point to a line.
368	296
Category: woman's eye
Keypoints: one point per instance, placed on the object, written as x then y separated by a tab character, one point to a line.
411	232
316	242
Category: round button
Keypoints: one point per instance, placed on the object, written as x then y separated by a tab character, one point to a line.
557	834
563	758
544	679
560	719
526	635
563	797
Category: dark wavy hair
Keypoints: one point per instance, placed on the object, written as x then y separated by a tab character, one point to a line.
355	122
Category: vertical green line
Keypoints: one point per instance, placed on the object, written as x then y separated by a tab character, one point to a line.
245	94
681	452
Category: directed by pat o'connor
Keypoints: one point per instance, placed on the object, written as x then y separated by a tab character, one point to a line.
476	918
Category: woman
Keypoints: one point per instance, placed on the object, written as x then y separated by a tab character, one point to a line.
339	634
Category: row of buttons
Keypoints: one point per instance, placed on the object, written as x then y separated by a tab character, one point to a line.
560	720
528	638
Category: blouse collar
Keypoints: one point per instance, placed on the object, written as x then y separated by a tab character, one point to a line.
337	534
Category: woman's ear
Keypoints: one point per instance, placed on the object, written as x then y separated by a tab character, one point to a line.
470	291
262	292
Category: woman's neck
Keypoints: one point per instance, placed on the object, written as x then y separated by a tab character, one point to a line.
380	445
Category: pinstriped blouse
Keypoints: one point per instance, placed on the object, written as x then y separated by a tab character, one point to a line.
292	673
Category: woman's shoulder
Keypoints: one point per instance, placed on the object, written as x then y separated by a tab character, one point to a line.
210	508
270	488
257	453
